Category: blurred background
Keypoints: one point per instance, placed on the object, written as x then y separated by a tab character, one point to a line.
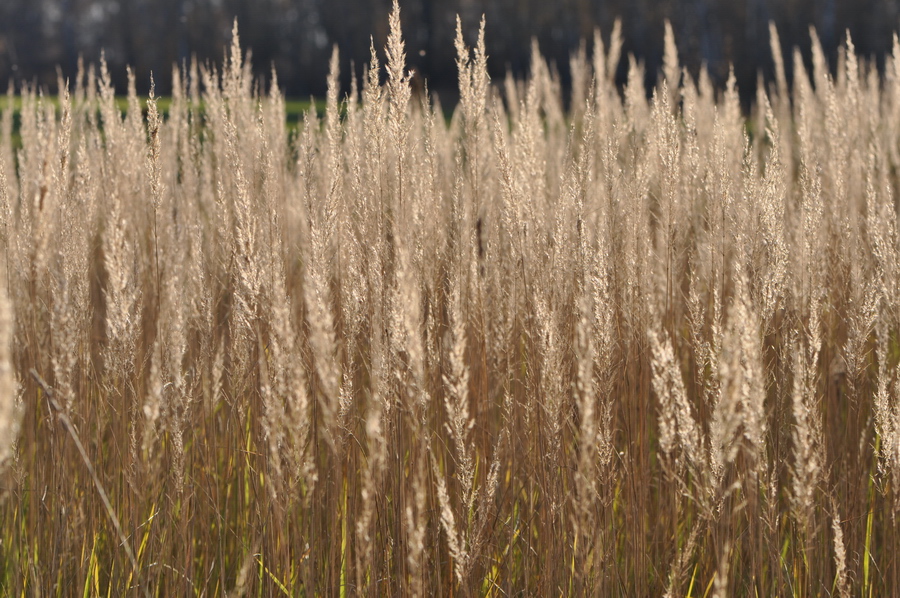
296	36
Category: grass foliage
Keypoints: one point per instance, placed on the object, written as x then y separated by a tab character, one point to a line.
626	348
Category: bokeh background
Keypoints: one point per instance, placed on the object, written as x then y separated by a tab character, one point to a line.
296	36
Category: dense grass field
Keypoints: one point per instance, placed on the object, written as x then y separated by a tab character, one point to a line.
640	345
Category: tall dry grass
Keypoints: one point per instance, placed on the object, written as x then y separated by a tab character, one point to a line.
617	346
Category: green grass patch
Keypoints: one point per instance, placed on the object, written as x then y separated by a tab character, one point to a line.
294	109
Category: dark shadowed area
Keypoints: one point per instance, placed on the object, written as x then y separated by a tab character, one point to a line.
296	36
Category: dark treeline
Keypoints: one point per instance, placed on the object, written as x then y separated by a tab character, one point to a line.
296	36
